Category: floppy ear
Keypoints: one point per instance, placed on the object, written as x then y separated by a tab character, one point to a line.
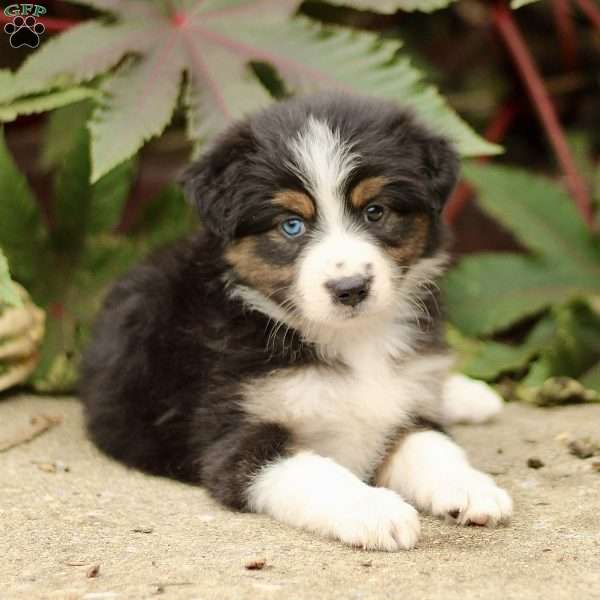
441	169
214	184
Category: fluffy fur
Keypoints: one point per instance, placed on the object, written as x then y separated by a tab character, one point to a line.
289	356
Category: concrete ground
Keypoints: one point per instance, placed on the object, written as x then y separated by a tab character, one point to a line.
75	525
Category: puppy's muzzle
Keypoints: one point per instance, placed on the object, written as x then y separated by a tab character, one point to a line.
349	291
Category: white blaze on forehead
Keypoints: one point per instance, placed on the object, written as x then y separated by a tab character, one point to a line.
323	161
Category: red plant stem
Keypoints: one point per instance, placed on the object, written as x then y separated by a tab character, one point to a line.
51	24
495	133
591	11
511	36
565	29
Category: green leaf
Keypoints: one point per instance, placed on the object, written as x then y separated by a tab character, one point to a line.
38	104
140	102
486	359
21	231
72	199
109	195
82	53
61	132
309	56
489	292
591	378
574	348
8	89
9	296
539	213
166	218
59	356
391	6
235	91
213	42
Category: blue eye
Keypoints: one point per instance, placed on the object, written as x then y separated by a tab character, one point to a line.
293	227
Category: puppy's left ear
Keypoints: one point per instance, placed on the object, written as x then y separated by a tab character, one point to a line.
441	169
215	183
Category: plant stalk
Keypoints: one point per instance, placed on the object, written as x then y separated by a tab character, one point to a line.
566	34
591	11
540	98
495	132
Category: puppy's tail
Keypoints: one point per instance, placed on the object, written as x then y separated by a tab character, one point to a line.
466	400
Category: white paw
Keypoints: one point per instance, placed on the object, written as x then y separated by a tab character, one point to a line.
467	400
471	498
379	520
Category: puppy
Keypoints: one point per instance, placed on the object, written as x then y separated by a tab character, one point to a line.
289	357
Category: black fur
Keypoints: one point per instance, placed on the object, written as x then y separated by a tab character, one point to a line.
161	379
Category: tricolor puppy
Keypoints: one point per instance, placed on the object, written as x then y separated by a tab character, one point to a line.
289	357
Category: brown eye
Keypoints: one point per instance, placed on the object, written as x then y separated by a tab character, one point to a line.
373	213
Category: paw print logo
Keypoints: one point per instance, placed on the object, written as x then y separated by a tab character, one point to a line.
24	31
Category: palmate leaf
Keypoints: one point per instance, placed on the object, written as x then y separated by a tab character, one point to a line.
141	99
21	232
61	132
489	359
80	54
309	56
391	6
487	293
539	213
7	85
166	218
213	41
9	296
574	347
37	104
80	258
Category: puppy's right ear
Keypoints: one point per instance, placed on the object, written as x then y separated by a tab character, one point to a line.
215	183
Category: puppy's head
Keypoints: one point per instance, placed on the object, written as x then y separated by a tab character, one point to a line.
327	206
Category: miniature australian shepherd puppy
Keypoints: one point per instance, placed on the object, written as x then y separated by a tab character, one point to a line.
290	357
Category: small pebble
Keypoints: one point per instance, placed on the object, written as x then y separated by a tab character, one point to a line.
256	565
535	463
93	571
143	529
583	448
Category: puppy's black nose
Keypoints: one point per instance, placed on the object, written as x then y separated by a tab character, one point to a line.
349	290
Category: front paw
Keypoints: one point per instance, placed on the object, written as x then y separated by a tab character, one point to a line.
471	498
378	520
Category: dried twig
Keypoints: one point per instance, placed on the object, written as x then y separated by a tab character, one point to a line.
38	425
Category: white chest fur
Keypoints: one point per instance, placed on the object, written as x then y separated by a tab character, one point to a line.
349	414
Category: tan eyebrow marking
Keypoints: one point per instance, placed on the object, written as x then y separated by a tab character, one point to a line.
413	245
296	202
366	190
256	270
